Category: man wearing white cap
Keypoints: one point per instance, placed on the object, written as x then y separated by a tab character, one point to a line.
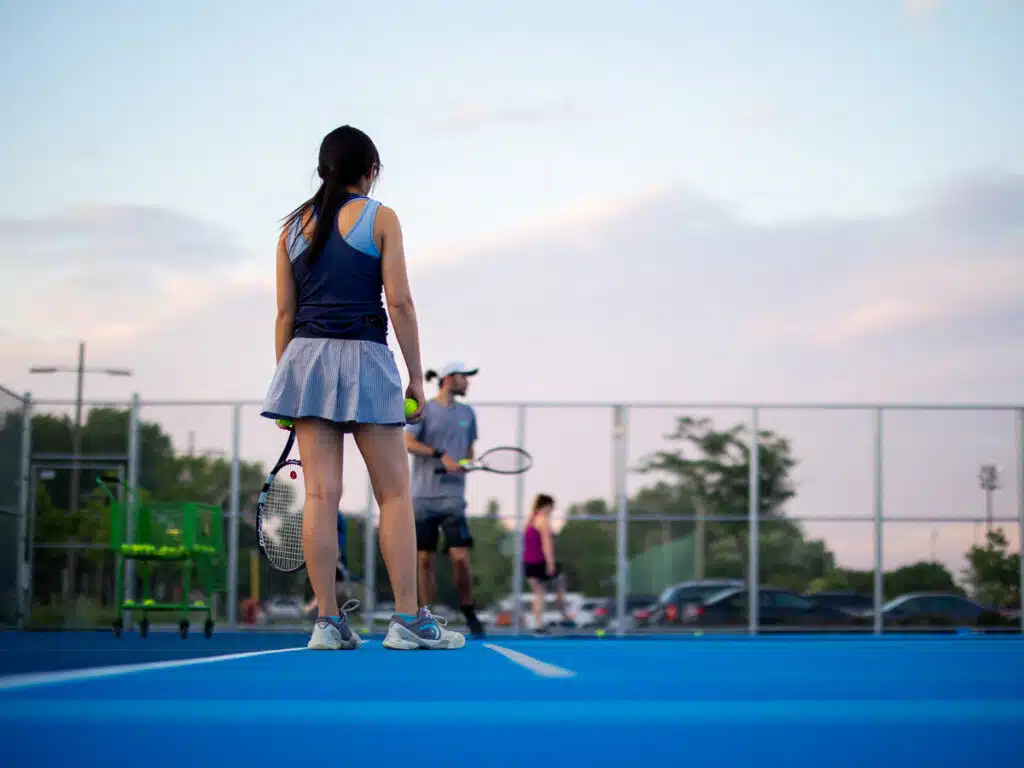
441	439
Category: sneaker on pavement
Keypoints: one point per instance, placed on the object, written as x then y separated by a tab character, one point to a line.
332	633
424	631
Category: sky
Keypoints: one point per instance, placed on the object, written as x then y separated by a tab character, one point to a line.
671	203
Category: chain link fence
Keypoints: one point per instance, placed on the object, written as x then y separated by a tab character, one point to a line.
12	412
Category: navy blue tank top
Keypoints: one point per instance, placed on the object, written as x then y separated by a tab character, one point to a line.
340	296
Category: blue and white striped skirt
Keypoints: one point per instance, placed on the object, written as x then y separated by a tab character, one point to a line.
341	380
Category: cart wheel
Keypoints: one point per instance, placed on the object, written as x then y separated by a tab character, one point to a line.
144	628
208	628
183	628
118	626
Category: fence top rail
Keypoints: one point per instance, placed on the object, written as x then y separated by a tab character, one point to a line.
10	393
555	404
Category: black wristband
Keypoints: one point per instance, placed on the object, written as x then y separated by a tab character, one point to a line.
438	453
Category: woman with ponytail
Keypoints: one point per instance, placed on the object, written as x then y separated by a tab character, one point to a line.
539	564
337	253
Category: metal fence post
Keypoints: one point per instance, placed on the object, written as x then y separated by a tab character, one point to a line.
130	499
517	579
879	572
24	483
369	557
753	523
234	513
620	435
1020	507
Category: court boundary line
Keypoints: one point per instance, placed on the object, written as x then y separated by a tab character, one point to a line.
538	667
37	679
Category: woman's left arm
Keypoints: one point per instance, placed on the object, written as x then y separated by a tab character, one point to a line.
284	325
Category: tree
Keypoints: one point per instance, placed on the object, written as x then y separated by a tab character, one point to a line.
586	548
993	574
916	577
708	476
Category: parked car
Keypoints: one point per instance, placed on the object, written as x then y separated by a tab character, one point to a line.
853	603
284	608
550	615
587	615
674	600
776	608
606	614
924	610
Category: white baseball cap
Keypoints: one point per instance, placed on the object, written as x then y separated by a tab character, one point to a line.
455	366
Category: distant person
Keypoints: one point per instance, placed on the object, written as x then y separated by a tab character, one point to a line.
335	375
540	566
445	436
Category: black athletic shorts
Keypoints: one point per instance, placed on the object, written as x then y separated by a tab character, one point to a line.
434	516
540	571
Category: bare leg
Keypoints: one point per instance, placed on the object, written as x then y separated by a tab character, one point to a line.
428	580
560	596
463	574
538	601
383	450
321	449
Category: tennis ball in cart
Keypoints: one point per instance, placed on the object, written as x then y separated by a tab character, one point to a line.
410	406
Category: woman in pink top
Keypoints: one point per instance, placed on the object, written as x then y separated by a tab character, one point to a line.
539	564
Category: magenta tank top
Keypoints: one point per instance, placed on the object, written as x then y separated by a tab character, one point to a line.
533	552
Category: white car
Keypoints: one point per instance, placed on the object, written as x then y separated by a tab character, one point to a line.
550	616
585	616
283	608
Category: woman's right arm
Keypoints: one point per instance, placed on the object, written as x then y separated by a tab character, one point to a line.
397	292
547	541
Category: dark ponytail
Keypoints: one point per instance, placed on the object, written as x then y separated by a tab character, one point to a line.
347	155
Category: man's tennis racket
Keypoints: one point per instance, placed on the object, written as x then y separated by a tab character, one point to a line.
279	512
502	460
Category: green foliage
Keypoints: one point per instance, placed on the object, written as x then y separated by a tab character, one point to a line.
917	577
709	474
993	574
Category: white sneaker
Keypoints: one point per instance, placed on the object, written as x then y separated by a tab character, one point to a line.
425	632
334	634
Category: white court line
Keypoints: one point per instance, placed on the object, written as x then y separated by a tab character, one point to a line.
536	666
95	673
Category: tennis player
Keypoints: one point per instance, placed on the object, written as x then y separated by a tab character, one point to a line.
335	375
540	567
445	435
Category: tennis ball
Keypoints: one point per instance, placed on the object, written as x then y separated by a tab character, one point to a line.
411	406
283	423
599	633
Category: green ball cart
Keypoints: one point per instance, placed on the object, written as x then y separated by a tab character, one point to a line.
189	534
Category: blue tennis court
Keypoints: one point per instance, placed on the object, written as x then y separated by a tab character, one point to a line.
91	699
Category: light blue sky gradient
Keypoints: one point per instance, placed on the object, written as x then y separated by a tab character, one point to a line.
668	201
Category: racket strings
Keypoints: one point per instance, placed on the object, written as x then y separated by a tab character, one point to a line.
282	519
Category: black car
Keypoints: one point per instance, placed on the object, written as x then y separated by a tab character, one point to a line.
776	608
940	610
853	603
674	600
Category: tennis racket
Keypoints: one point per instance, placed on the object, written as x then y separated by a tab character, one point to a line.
502	460
279	512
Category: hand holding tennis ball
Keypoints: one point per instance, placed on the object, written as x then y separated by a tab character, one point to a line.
414	400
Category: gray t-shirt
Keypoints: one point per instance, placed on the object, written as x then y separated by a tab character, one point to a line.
451	429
